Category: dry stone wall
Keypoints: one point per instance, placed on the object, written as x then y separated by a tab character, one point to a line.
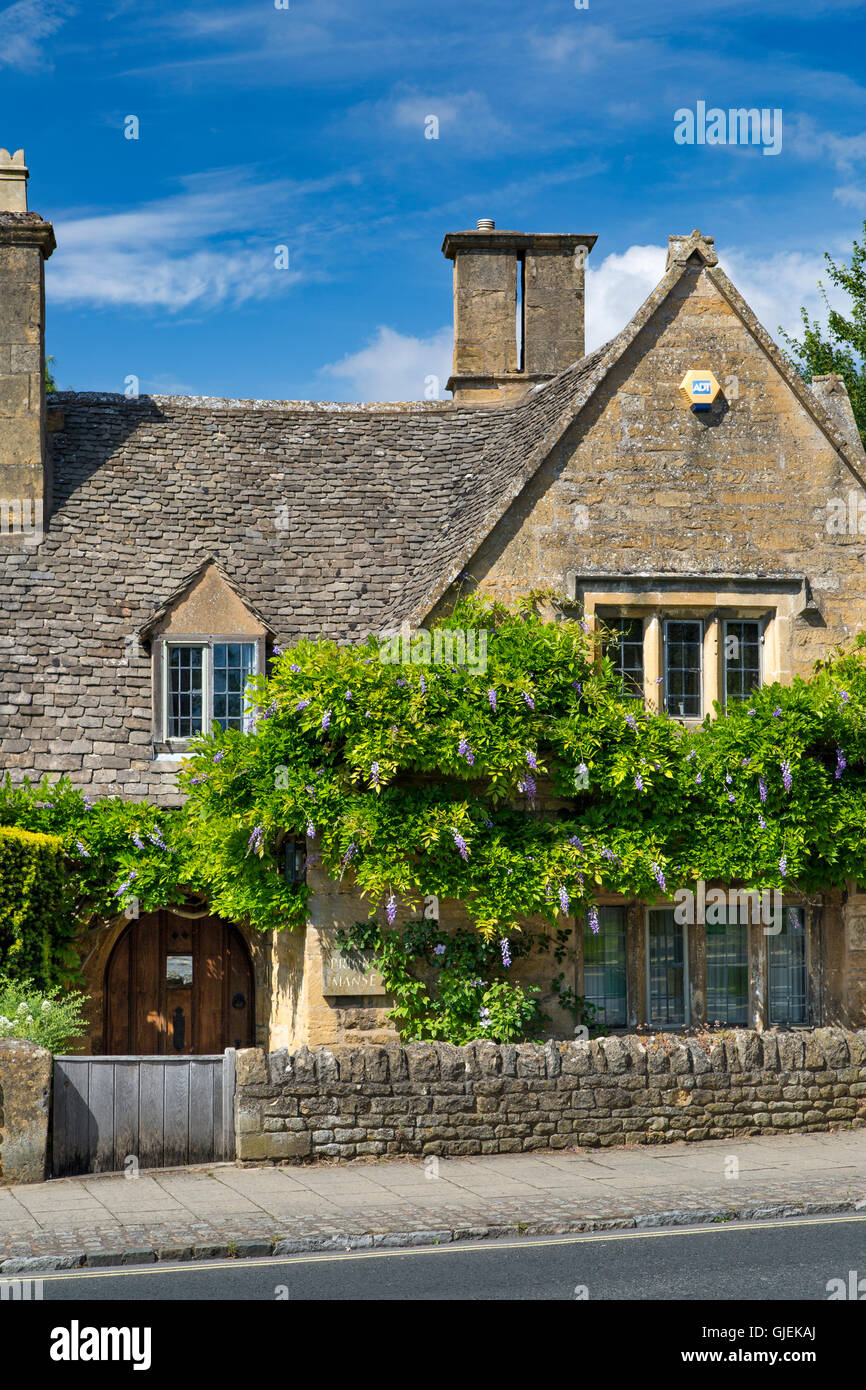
434	1098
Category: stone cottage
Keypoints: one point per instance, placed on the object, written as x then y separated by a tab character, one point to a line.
153	549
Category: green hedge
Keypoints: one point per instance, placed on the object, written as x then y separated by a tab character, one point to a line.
32	900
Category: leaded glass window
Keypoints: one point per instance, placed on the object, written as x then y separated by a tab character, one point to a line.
787	967
666	969
728	970
604	973
684	668
742	658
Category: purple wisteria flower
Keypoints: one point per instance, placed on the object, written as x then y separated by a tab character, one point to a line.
593	920
488	825
841	762
464	750
728	778
528	699
391	910
531	761
349	855
137	840
505	951
761	822
699	779
786	775
731	796
608	854
326	720
302	704
528	787
491	695
256	838
310	831
218	757
578	687
762	789
484	1017
126	884
348	695
423	685
638	783
197	781
783	866
564	901
691	755
659	877
85	853
777	713
374	775
745	762
460	844
573	840
631	721
844	696
155	838
751	711
439	949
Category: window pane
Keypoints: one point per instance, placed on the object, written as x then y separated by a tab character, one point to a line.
185	668
742	654
683	663
787	969
604	966
728	971
666	969
627	654
232	667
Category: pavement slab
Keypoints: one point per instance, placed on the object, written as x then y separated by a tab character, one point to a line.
222	1206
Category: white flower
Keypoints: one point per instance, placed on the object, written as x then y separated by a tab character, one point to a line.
22	1007
46	1006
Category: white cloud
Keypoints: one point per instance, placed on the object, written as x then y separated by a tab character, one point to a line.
775	287
194	249
616	289
396	367
23	26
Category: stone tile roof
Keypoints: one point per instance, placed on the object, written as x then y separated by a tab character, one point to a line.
332	519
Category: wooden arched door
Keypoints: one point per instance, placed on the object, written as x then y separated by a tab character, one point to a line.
178	985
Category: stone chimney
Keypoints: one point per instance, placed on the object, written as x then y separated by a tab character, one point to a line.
518	309
25	244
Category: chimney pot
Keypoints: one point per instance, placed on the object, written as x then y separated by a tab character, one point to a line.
486	224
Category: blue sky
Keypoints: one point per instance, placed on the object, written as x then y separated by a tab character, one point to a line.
305	127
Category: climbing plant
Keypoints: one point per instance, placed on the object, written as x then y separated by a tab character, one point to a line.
509	773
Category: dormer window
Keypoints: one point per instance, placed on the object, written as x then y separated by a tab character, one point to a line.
207	643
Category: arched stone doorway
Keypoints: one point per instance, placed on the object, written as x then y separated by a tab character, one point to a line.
178	984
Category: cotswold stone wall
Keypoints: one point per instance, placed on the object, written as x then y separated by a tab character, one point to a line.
25	1092
432	1098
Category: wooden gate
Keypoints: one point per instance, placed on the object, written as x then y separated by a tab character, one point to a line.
114	1114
